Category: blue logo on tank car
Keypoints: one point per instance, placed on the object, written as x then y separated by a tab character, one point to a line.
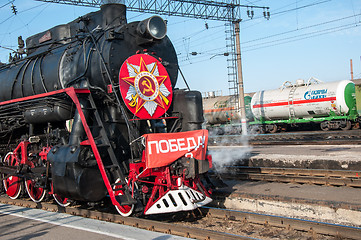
315	94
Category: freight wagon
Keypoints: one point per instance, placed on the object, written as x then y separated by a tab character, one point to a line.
312	104
221	117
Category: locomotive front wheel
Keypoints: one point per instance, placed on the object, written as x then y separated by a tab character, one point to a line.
63	202
12	184
36	194
125	210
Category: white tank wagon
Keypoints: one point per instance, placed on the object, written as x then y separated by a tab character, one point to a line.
332	104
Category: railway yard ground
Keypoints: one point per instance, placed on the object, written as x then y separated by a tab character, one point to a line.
265	191
336	157
314	182
26	223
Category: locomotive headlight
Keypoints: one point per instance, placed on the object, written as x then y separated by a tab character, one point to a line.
154	27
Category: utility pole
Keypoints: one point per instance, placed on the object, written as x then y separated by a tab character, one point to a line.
351	69
242	108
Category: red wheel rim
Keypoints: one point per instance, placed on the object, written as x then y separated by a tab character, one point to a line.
36	194
125	210
64	202
12	184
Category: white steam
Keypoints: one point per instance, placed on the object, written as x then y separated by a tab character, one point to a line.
230	152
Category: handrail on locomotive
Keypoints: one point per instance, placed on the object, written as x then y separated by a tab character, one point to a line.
73	111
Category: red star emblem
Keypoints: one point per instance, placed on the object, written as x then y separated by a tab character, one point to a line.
145	86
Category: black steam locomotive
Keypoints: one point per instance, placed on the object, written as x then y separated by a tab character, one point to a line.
89	111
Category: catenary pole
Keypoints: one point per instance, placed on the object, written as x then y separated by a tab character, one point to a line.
242	108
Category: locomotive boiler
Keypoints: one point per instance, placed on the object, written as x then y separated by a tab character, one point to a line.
91	112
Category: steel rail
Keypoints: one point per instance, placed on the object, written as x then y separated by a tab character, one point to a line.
152	225
309	138
312	227
340	231
296	175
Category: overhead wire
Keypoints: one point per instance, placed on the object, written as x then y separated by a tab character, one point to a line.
300	7
253	2
191	41
205	39
299	37
7	19
276	14
299	29
31	20
203	53
207	55
196	60
10	2
267	44
211	41
174	23
42	4
288	10
8	32
191	35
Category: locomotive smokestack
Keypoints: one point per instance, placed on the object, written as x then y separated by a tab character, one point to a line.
113	14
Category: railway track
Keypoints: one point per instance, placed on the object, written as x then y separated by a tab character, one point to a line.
314	229
231	224
294	138
295	175
148	224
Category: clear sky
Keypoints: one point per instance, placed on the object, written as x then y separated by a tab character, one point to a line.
302	39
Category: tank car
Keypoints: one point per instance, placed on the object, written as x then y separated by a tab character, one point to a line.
89	111
221	115
331	105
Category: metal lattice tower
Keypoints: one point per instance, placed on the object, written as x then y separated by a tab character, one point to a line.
202	9
228	11
232	64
